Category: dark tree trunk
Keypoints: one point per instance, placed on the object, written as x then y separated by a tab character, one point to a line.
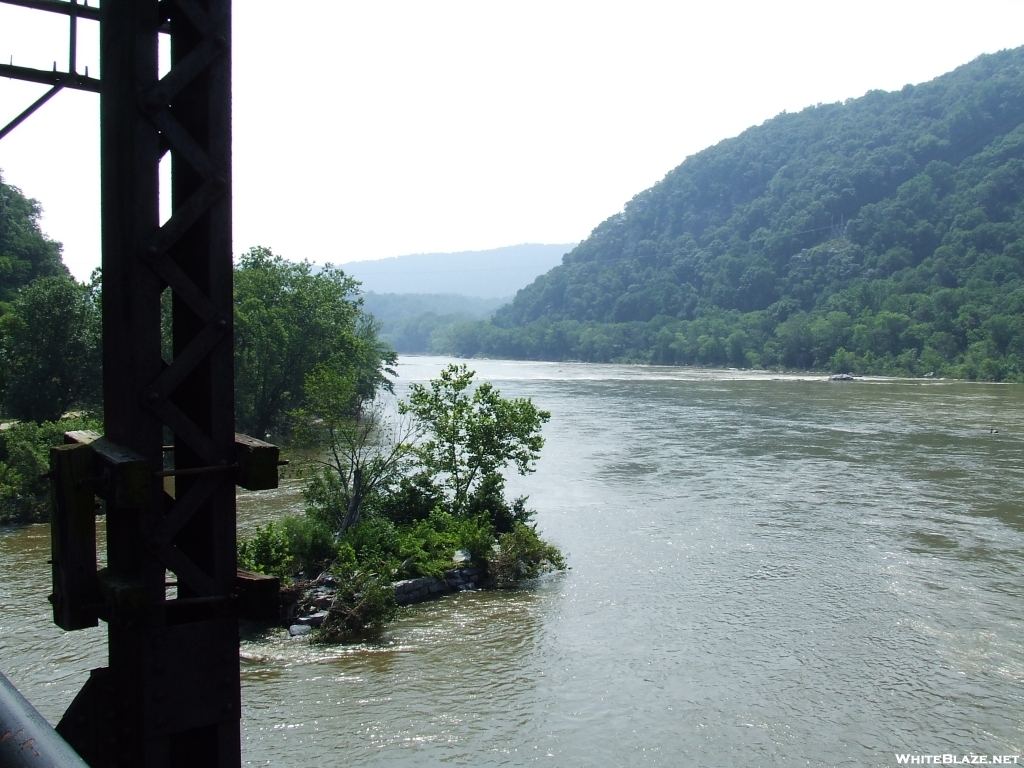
355	501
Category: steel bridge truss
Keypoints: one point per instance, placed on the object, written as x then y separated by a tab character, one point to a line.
169	460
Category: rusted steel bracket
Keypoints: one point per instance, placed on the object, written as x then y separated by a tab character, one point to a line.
91	465
122	476
259	596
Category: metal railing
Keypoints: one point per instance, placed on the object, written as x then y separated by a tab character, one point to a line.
26	739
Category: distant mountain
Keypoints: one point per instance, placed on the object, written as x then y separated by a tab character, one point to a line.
408	320
494	273
395	307
884	234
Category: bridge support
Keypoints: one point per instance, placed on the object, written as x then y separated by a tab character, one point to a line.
170	695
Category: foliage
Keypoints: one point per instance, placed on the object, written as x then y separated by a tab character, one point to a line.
50	349
418	516
470	435
881	235
311	544
429	546
488	500
366	452
267	551
24	457
412	500
375	540
364	601
290	320
522	554
25	252
423	548
293	545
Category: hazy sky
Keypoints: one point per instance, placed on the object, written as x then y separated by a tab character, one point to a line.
373	129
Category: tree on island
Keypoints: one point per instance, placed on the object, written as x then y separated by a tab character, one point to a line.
365	451
397	499
472	435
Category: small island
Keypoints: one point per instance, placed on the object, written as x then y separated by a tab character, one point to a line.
405	506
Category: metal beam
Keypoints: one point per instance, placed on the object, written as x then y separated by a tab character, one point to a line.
26	739
63	79
25	115
58	6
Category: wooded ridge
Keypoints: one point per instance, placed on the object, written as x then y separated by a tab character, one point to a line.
880	235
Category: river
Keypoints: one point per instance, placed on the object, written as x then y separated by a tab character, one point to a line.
767	570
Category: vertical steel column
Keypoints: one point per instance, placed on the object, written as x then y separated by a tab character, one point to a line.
170	696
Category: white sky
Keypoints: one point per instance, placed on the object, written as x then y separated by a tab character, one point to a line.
373	129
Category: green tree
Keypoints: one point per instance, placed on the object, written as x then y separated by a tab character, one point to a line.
25	252
366	452
291	319
50	349
472	434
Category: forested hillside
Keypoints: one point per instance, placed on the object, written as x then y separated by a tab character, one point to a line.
408	320
881	235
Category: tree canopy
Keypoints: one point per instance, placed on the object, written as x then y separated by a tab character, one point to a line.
290	319
25	252
471	434
883	234
50	349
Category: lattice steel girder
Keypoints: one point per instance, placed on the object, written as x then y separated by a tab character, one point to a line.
160	648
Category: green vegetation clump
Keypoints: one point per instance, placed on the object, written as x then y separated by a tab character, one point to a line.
391	503
883	235
522	554
292	319
24	458
364	601
267	551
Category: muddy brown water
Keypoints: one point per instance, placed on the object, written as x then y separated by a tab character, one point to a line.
766	570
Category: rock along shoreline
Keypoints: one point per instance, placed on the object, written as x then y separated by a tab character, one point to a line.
304	605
